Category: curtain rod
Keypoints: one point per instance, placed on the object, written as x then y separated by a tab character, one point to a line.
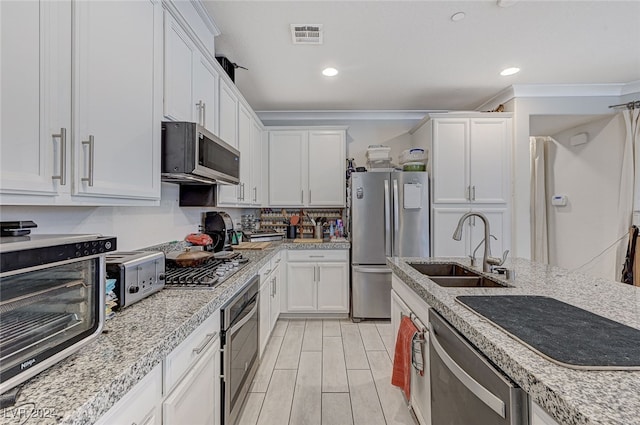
629	105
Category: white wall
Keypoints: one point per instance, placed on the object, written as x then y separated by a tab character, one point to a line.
135	227
589	175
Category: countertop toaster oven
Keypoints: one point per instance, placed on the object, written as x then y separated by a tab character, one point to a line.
51	300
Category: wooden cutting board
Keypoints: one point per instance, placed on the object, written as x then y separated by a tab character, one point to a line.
252	245
307	240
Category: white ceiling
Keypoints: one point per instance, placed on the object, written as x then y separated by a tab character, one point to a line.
409	55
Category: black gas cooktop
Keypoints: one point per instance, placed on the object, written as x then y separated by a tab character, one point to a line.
562	333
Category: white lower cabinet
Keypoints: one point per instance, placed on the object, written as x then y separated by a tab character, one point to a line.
196	399
539	416
404	302
192	377
317	281
141	405
269	309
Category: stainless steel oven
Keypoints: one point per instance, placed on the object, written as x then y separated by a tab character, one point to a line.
51	300
239	341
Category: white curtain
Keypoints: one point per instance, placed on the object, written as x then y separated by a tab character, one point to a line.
627	181
539	233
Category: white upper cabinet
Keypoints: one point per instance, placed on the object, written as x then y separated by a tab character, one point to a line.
35	88
117	102
113	51
470	160
257	184
327	156
191	81
287	179
228	115
307	168
469	166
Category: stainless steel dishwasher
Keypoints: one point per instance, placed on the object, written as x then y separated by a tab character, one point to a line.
465	387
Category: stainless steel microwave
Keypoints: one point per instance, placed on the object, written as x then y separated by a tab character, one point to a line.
192	154
52	291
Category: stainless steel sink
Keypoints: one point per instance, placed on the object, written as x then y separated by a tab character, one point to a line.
452	275
443	269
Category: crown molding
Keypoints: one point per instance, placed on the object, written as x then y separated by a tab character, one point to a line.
344	115
567	90
631	88
206	17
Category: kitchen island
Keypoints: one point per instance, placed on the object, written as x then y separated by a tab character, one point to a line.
570	396
83	387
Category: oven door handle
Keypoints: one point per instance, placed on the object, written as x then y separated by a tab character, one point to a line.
244	320
487	397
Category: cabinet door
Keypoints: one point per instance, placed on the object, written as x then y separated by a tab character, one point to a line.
264	316
489	159
445	221
333	287
228	115
301	287
498	226
205	87
274	309
179	57
35	82
256	164
244	146
450	160
117	98
286	152
326	168
194	400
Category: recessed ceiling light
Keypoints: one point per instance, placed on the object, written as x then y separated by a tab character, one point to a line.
329	72
509	71
457	16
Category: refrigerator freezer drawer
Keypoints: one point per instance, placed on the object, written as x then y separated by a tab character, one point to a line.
371	292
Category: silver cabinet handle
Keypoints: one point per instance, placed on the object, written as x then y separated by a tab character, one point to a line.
309	196
302	196
487	397
316	256
467	195
90	143
314	274
319	277
204	114
255	194
199	349
473	193
63	156
199	105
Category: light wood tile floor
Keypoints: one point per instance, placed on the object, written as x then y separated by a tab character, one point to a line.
326	372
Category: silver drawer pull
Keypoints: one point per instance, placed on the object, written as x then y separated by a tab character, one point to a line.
316	256
204	344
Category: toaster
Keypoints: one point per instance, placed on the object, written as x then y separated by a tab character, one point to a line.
138	274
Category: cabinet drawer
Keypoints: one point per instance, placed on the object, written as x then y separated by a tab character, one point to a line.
318	255
140	405
185	355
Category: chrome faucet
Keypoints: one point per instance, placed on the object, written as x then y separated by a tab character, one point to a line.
487	260
473	254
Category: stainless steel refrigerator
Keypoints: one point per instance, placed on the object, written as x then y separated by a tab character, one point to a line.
389	213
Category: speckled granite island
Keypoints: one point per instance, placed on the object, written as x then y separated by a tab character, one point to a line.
571	396
81	388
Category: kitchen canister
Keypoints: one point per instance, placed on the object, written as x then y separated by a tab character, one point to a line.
317	234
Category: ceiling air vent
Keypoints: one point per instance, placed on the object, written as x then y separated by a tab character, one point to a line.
306	34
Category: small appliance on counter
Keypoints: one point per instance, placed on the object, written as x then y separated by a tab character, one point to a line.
262	236
219	226
138	274
52	298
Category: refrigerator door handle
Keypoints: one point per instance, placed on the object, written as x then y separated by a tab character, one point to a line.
381	270
387	220
396	213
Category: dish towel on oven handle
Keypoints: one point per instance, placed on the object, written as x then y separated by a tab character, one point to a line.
401	376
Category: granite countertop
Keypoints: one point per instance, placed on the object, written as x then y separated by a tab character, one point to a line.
81	388
571	396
